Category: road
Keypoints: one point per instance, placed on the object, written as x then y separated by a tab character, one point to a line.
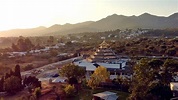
47	68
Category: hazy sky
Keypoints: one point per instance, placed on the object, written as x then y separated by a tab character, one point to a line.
33	13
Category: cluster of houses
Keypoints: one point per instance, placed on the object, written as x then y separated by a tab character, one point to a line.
105	56
37	51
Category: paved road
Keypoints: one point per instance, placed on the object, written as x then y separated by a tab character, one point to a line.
50	67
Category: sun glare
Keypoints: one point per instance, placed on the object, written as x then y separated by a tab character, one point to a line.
32	13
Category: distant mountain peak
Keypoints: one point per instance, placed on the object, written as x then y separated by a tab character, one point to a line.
110	22
146	14
113	16
55	25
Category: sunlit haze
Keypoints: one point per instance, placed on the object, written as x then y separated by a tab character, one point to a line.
33	13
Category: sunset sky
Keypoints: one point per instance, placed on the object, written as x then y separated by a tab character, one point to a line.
33	13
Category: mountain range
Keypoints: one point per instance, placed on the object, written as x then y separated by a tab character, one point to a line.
112	22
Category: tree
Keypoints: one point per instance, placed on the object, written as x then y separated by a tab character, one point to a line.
37	92
160	92
152	75
72	71
14	47
12	84
100	75
2	84
32	81
17	71
69	90
21	44
169	68
28	44
94	81
7	75
156	63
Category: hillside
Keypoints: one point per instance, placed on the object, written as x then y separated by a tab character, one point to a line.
111	22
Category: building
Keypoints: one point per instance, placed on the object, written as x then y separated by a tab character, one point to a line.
106	57
103	54
107	95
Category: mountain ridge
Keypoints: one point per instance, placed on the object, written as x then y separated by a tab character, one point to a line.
110	22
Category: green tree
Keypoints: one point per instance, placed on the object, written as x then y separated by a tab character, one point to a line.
14	47
149	76
12	84
169	69
71	71
37	92
100	75
28	44
21	44
69	90
160	92
17	71
31	81
142	80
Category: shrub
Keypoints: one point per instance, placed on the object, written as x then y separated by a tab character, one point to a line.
28	67
69	90
53	53
37	92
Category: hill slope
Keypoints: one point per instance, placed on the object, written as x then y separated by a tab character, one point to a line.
111	22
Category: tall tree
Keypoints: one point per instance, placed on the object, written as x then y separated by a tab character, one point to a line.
100	75
28	44
21	44
150	75
14	47
141	79
17	71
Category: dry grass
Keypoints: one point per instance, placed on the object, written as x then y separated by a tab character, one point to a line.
10	63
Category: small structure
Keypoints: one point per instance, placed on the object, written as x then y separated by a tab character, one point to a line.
174	88
59	79
107	95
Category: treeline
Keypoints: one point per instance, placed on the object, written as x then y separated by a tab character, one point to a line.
162	33
12	82
23	44
147	47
